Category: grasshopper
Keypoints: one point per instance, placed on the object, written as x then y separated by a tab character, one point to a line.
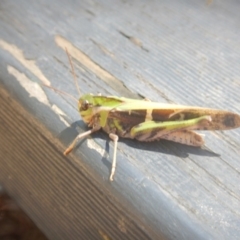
148	121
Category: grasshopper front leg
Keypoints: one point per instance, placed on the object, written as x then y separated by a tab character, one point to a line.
79	136
113	136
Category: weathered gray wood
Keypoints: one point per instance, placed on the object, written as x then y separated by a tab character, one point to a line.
184	52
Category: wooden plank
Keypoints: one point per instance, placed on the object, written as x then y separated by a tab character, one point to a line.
15	224
176	52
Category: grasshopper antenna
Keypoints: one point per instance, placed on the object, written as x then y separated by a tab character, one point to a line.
73	72
59	91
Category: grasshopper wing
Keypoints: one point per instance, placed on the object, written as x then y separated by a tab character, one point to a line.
152	111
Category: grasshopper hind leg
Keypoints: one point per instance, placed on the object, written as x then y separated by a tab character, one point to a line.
185	137
114	137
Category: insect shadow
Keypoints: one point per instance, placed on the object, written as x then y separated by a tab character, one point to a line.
161	147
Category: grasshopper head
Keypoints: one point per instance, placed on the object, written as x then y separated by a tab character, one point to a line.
86	107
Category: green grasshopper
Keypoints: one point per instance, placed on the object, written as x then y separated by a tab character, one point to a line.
148	121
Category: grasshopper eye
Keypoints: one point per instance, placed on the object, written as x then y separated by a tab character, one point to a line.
84	105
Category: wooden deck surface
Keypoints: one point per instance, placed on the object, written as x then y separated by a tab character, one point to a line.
182	52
